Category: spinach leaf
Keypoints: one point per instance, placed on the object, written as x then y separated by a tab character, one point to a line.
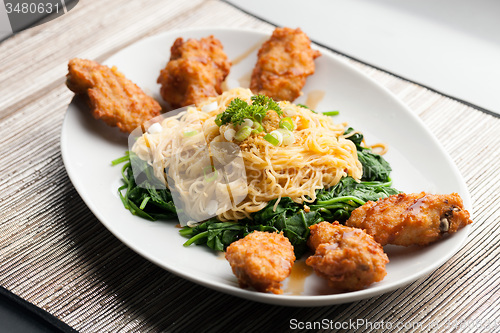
296	229
333	204
146	200
357	138
375	167
288	218
215	234
337	202
268	215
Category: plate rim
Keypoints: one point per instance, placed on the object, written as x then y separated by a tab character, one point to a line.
283	300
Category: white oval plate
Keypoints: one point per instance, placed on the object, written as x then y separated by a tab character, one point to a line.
418	161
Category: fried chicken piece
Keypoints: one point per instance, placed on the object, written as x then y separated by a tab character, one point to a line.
195	71
112	97
411	219
261	260
322	233
283	64
347	257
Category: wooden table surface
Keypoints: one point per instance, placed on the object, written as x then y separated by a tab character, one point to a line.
55	254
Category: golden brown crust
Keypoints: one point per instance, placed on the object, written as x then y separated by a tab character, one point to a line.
347	257
112	97
411	219
261	260
195	71
322	233
283	64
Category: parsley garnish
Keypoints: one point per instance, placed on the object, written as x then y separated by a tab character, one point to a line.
239	110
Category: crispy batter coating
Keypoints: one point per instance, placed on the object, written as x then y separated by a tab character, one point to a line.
195	71
283	64
112	97
322	233
261	260
348	257
411	219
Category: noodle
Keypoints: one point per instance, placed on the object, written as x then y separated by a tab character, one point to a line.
319	158
379	146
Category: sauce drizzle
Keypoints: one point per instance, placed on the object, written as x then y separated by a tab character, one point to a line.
415	207
297	278
245	54
314	97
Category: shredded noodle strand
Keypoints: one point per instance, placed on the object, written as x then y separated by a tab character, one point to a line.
319	157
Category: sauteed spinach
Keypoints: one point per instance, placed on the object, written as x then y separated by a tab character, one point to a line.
293	219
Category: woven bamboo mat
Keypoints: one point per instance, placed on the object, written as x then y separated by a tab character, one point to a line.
55	254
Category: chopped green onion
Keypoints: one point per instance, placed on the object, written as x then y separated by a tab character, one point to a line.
247	122
188	134
210	173
278	135
287	123
144	202
331	113
243	133
257	127
288	137
271	139
229	134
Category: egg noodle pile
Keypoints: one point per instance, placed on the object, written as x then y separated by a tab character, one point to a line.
318	158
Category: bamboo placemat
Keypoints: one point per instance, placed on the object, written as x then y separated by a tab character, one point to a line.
56	255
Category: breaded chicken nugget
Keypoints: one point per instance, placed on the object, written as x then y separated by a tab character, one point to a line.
283	64
322	233
349	258
195	71
261	260
411	219
112	97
